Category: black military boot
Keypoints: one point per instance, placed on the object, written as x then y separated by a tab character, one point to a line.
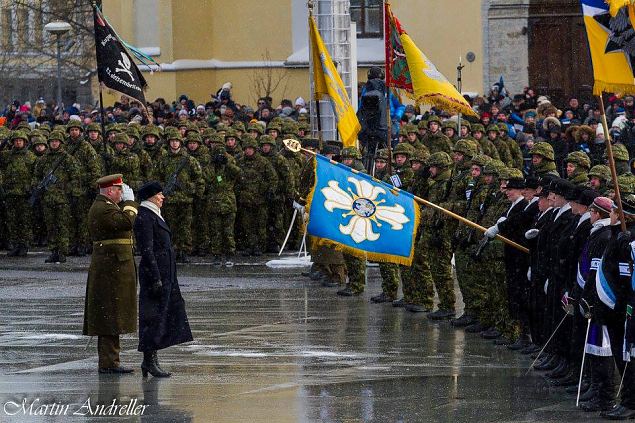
15	251
73	251
227	261
150	365
53	257
491	333
619	412
61	258
24	250
416	308
476	327
381	298
521	343
81	251
217	260
441	315
399	303
347	292
463	321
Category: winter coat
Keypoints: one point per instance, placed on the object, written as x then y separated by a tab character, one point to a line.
162	319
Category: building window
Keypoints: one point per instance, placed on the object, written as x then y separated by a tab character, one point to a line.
368	15
7	29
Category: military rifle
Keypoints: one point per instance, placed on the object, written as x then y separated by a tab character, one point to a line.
173	180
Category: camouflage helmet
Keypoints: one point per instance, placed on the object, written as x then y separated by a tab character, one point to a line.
466	123
44	128
37	133
450	124
410	128
193	137
420	155
478	127
626	183
502	127
439	159
602	172
266	139
238	126
150	130
172	133
579	158
481	160
133	132
74	123
111	127
493	167
512	173
256	127
201	124
277	120
543	149
465	147
207	133
619	152
289	127
423	124
120	138
381	154
405	149
249	141
216	139
94	127
351	153
231	133
434	118
492	127
38	139
57	134
23	126
18	134
273	126
221	127
192	127
303	125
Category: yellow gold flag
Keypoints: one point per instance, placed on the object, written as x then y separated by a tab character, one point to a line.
609	26
328	83
429	85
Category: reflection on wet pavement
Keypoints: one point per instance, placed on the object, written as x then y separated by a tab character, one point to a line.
270	346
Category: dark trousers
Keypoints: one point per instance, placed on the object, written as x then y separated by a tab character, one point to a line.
108	350
615	325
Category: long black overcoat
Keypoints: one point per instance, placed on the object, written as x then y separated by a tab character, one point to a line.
162	319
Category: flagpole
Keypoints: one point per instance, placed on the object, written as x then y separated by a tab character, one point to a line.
310	5
294	146
609	153
388	47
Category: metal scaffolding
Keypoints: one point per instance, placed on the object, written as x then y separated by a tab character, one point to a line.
334	23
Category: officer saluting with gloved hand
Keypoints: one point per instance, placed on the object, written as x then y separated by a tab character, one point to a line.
111	292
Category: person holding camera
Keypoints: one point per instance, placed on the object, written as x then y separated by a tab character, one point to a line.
162	317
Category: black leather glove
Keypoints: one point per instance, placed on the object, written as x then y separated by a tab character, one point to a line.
424	173
220	159
156	289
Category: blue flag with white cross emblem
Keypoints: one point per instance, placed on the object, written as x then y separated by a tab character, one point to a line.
361	215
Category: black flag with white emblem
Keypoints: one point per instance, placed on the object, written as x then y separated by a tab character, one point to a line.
115	67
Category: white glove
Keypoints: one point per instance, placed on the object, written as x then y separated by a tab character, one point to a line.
501	219
529	273
492	231
299	207
546	286
532	233
128	194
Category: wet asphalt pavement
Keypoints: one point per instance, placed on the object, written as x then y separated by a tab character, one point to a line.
270	346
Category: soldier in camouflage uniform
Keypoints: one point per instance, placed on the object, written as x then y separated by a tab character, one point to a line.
151	138
578	164
39	146
422	129
104	150
16	166
355	266
512	146
200	226
434	140
273	130
221	177
463	152
125	162
599	177
232	145
135	147
57	199
543	160
412	136
177	208
465	131
257	185
90	171
450	130
255	130
504	154
466	268
389	271
486	146
284	194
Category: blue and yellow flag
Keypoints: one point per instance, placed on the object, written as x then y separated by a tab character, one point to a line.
328	83
610	27
361	215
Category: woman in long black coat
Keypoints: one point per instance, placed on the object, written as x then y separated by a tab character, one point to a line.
162	318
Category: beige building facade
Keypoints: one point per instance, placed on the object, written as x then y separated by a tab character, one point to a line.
201	44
